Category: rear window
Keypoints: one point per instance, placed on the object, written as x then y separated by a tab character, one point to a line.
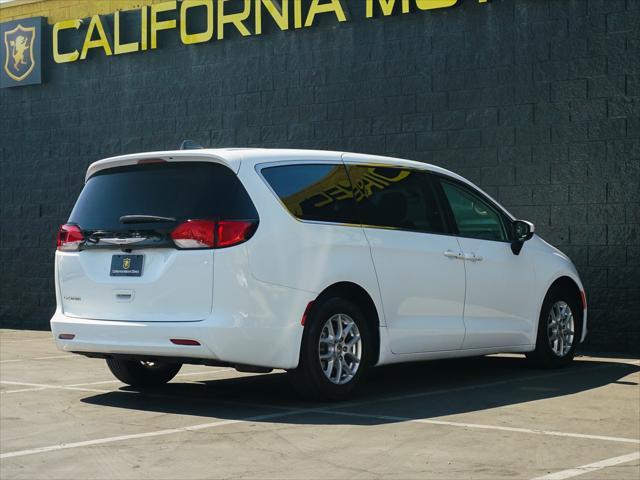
182	190
314	192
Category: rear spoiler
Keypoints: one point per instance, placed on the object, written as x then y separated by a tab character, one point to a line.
231	159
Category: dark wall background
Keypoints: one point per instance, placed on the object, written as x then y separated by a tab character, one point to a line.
538	101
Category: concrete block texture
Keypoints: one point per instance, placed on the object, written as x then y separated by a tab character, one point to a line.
537	100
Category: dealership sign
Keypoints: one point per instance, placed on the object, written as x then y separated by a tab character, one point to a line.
20	59
197	21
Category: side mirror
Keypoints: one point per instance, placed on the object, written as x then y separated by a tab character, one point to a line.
522	231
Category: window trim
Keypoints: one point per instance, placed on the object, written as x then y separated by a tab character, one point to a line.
507	222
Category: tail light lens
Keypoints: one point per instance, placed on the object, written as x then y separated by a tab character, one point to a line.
69	237
210	234
194	234
233	232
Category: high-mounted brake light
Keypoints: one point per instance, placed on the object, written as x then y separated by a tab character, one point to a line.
147	161
212	234
69	237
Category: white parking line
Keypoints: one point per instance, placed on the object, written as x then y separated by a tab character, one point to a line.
68	356
52	357
157	433
38	387
190	374
44	386
286	411
485	427
44	338
592	467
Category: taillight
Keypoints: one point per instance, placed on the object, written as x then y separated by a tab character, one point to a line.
210	234
194	234
233	232
69	237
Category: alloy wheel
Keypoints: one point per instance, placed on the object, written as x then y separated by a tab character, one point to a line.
340	349
560	328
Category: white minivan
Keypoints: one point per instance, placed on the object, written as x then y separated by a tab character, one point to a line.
320	263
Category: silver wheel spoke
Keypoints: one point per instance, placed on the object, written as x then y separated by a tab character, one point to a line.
347	330
329	368
329	327
338	375
351	343
345	367
325	356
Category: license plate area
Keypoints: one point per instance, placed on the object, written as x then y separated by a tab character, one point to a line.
126	265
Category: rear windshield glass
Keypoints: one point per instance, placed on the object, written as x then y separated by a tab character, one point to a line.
181	190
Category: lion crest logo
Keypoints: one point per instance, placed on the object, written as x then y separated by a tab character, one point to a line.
126	263
19	61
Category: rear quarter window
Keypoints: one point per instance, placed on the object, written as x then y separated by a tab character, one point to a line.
318	192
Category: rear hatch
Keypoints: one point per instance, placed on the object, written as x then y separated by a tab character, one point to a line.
139	244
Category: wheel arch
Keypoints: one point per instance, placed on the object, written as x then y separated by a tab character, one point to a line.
357	294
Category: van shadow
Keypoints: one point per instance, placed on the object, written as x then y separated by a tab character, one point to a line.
419	390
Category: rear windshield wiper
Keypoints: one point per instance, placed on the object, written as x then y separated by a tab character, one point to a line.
145	219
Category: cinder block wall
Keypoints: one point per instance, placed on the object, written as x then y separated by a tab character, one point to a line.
538	101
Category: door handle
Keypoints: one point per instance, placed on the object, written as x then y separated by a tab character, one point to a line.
472	257
452	254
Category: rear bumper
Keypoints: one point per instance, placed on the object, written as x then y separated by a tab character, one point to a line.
219	341
102	336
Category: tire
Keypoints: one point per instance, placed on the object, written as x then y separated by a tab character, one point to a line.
309	379
550	353
143	374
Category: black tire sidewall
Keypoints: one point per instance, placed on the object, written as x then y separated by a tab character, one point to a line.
135	374
316	382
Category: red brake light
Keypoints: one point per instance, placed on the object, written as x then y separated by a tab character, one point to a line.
194	234
146	161
210	234
233	232
69	237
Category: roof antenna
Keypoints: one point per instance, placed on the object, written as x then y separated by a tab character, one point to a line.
190	145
